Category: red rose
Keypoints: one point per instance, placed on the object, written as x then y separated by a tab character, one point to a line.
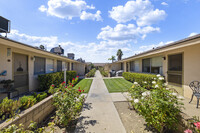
65	86
77	76
79	90
70	83
63	82
79	87
52	85
73	79
83	90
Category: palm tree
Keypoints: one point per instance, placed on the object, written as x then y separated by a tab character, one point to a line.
112	58
119	54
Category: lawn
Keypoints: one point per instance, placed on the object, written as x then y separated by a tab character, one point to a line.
117	85
84	84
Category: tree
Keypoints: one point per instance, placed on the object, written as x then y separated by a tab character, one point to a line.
112	58
42	47
119	54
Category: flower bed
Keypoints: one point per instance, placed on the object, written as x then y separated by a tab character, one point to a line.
68	103
9	108
159	106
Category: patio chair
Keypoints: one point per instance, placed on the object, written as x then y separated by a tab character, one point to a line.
195	86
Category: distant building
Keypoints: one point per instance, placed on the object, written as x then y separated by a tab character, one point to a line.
71	56
58	50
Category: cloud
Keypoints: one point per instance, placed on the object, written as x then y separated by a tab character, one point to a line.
89	16
126	33
67	9
98	52
164	4
141	11
192	34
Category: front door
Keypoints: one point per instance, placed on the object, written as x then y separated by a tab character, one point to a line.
175	70
21	72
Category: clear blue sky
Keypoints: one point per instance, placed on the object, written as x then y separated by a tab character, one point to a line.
96	29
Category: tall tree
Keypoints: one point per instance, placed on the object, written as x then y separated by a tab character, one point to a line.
112	58
119	54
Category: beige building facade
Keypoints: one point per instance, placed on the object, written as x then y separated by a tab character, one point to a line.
23	64
178	62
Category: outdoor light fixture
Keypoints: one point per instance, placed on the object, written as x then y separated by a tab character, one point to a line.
33	58
164	58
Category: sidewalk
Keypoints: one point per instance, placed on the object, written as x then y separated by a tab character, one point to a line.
99	114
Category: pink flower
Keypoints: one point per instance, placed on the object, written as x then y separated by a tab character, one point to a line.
188	131
197	124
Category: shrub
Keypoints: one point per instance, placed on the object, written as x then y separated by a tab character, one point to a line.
68	102
140	78
40	97
8	108
91	73
103	72
160	107
46	80
27	101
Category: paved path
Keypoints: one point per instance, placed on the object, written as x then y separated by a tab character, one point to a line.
99	115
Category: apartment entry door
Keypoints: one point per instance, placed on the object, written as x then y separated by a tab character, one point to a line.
21	72
175	71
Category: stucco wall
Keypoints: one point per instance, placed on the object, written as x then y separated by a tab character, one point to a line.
191	65
8	66
80	68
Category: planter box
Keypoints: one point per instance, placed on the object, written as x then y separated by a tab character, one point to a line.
36	113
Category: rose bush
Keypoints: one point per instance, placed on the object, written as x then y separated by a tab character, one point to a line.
68	102
159	106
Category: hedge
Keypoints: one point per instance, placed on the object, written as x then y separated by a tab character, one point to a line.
46	80
140	78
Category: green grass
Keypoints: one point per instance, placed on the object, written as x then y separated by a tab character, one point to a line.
117	85
84	85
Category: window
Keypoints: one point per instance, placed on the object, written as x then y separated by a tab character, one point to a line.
72	66
39	65
132	66
59	66
146	64
49	66
156	65
136	66
152	65
122	66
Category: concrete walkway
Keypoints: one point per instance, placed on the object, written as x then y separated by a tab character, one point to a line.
99	114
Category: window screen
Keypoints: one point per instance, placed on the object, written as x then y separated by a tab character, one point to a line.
146	65
49	66
175	62
39	65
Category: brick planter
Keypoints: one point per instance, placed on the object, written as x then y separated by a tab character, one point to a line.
36	113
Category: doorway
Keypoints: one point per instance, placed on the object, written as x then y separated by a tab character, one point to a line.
20	66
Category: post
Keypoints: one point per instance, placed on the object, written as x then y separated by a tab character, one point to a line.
65	70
